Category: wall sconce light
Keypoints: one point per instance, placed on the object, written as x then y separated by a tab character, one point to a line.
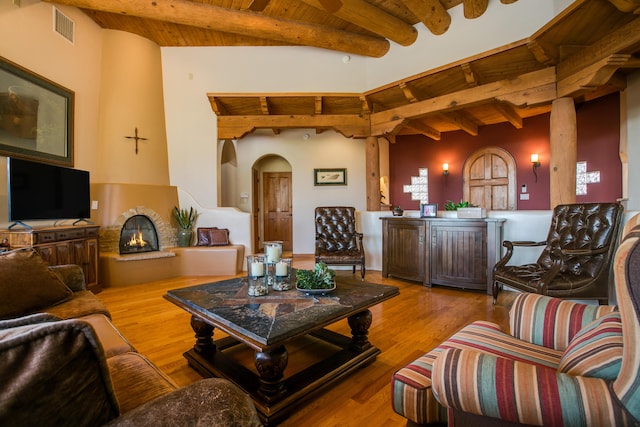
445	169
535	162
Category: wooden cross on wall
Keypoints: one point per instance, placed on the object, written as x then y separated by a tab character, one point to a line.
136	138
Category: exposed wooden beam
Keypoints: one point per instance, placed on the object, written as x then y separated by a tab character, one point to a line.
240	22
474	8
461	121
529	89
374	19
431	13
349	125
469	75
626	5
318	108
424	129
407	92
257	5
592	77
264	105
509	113
619	41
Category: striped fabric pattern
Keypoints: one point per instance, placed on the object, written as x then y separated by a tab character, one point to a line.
551	322
627	273
485	384
596	351
411	385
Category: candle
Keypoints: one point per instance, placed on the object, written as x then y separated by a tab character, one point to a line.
281	269
273	252
257	269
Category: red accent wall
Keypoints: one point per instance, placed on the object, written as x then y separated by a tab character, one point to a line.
598	125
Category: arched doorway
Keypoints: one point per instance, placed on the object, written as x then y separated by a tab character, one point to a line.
272	202
489	179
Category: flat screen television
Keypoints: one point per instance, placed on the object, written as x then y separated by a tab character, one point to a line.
38	191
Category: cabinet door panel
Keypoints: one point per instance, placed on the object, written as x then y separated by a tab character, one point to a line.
405	249
459	256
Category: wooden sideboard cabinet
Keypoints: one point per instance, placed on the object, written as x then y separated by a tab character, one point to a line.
76	244
442	251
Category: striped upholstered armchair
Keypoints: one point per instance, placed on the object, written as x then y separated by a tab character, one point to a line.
563	364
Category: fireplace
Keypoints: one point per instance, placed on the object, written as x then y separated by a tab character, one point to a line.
138	234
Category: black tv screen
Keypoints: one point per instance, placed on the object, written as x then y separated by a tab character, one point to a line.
39	191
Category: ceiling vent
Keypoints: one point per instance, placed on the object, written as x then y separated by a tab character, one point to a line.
63	25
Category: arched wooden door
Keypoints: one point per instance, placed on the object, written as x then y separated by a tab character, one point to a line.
489	179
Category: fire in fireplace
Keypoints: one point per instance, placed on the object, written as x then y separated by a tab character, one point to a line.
138	234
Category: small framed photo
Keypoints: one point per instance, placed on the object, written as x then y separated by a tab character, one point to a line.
330	176
428	210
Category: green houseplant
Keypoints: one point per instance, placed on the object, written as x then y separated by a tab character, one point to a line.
185	219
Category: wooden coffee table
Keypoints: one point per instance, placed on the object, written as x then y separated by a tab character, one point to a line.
267	324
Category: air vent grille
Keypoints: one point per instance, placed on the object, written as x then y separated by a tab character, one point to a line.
63	25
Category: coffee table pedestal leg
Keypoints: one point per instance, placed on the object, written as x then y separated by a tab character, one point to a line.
360	323
204	335
271	364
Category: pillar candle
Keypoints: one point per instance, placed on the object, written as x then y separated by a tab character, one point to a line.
281	269
257	269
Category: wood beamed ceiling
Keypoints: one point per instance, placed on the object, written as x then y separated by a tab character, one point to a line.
584	53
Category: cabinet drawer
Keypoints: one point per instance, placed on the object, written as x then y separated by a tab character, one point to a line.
47	236
69	234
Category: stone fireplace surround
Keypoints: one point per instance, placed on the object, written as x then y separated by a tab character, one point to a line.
119	202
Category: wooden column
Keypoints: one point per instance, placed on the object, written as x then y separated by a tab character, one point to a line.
373	173
563	152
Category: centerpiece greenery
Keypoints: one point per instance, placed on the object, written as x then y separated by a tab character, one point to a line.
321	277
450	206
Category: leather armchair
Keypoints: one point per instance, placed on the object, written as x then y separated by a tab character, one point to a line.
337	241
576	260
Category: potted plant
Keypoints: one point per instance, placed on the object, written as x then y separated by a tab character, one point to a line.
185	219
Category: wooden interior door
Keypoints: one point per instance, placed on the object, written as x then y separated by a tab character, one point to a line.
489	179
278	214
255	208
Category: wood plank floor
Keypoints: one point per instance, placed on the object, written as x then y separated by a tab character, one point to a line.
404	328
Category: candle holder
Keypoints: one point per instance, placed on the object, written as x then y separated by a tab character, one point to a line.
256	276
282	275
272	251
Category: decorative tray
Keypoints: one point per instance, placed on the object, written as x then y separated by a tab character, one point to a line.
317	291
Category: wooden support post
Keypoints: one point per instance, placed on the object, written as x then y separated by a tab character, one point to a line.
373	173
563	152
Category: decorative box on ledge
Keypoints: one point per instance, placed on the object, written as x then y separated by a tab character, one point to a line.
472	213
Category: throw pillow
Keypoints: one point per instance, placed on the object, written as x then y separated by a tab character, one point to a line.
212	236
595	351
27	285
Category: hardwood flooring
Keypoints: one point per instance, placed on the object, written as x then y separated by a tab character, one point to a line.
403	328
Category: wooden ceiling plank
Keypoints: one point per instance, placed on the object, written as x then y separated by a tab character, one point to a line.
619	41
521	86
374	19
257	5
241	22
474	8
460	120
424	129
510	114
431	13
626	5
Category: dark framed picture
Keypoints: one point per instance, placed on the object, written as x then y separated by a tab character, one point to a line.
428	210
330	176
36	116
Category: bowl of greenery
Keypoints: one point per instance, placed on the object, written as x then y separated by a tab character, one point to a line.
320	280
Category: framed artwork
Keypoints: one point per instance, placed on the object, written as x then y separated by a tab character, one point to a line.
330	176
36	116
428	210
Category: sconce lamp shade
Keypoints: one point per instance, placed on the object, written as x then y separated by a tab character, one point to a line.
535	160
445	169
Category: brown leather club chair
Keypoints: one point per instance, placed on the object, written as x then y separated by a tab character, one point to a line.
576	260
337	241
